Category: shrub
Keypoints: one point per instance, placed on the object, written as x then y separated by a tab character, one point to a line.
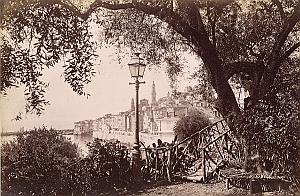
34	162
190	124
271	129
42	162
105	169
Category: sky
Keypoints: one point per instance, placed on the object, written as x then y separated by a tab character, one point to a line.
110	93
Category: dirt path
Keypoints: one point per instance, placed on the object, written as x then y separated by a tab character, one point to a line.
196	189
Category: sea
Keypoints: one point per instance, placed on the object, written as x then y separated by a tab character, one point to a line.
126	139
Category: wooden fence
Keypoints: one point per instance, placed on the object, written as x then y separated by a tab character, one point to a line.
197	157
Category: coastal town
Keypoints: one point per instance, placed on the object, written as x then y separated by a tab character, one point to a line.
157	117
150	97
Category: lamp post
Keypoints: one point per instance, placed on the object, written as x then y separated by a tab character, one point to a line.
137	69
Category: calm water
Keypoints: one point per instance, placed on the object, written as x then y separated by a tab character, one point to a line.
82	140
7	138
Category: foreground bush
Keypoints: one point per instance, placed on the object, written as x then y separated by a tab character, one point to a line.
34	163
105	169
271	129
42	162
272	133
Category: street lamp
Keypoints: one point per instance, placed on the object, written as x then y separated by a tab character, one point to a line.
137	69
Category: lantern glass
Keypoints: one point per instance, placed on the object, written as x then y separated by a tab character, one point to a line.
134	70
142	68
137	66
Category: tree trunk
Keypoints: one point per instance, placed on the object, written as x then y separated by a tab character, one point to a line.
226	102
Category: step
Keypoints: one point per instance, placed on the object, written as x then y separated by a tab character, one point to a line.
195	177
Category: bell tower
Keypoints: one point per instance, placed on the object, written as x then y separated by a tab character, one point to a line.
153	94
132	105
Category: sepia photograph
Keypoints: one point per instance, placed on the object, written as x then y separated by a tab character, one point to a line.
150	97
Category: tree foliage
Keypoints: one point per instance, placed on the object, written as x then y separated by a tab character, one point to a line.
271	128
36	36
234	39
192	123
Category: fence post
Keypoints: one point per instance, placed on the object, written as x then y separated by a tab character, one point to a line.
156	164
203	165
169	167
227	183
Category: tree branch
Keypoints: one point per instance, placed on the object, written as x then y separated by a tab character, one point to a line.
290	51
197	35
282	36
212	20
250	68
275	59
255	70
162	12
280	9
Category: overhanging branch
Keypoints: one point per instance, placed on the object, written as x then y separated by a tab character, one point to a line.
290	51
283	34
275	58
164	13
250	68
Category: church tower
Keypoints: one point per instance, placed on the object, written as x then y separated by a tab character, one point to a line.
153	94
132	105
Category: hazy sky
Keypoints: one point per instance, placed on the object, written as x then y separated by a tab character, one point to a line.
110	93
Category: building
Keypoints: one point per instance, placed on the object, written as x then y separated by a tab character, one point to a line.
83	127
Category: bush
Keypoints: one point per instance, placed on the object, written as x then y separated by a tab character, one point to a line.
271	129
34	162
190	124
105	169
42	162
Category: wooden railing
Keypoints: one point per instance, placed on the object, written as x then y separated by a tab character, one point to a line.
202	153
